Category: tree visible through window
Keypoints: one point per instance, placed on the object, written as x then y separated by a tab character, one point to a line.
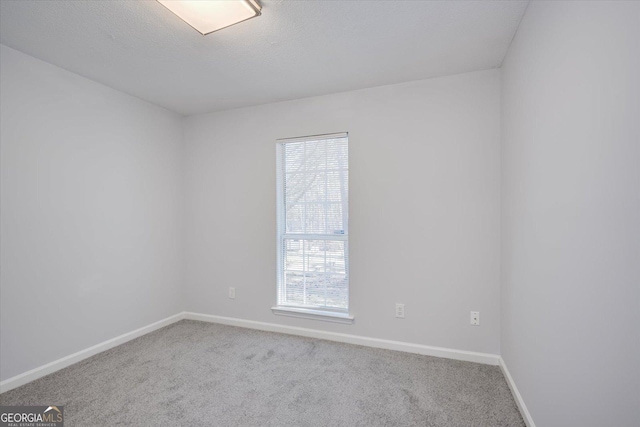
313	230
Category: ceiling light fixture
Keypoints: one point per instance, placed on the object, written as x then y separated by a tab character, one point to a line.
207	16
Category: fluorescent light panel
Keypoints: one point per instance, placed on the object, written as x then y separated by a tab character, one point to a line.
208	16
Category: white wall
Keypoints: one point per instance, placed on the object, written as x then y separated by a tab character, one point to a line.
90	213
424	208
571	213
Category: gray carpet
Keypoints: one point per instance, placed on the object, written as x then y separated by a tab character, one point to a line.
203	374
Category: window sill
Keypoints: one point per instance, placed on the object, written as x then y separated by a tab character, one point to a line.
306	313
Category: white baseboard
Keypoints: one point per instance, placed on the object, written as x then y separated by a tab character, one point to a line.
516	395
56	365
469	356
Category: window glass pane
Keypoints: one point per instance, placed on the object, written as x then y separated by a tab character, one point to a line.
337	185
295	187
294	157
295	218
315	290
335	219
294	288
314	218
335	257
337	290
294	260
316	155
315	188
314	255
316	273
337	153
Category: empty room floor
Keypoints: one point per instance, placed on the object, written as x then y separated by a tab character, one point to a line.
198	373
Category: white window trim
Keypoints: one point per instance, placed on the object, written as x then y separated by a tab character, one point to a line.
307	313
304	312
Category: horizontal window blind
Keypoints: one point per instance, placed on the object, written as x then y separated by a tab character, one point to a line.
313	222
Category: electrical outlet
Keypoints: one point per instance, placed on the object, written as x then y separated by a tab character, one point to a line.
400	311
232	293
475	318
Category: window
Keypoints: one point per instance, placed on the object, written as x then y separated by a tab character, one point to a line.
313	227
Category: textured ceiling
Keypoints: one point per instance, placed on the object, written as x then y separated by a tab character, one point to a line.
295	49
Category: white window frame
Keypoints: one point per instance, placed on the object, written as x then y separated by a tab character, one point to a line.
320	313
